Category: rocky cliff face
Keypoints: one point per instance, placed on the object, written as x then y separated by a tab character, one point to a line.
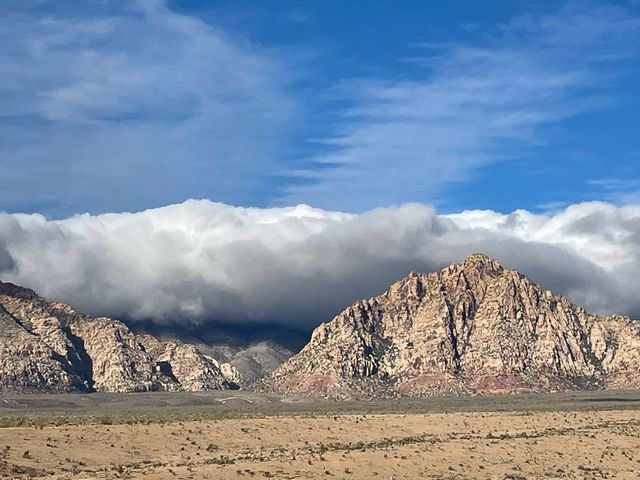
474	327
254	350
47	346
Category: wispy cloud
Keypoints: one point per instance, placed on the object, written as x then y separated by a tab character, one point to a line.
619	190
402	138
132	98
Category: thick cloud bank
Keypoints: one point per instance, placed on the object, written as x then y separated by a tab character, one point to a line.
200	261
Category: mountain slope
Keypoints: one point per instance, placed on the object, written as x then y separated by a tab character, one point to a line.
259	360
47	346
474	327
253	349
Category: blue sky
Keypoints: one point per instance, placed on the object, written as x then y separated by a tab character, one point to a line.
120	105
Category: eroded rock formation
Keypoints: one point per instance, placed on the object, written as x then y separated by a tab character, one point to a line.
47	346
474	327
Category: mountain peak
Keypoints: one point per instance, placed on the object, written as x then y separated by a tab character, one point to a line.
478	268
481	261
468	329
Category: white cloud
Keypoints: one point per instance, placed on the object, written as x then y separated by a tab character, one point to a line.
200	261
469	106
119	105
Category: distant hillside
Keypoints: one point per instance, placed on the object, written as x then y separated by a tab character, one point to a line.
253	349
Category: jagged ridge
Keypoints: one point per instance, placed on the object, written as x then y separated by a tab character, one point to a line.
474	327
47	346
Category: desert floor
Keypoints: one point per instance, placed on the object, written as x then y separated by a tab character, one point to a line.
575	437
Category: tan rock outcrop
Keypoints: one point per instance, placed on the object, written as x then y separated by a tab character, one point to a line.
47	346
192	369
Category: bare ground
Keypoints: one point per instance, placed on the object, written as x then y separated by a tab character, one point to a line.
586	436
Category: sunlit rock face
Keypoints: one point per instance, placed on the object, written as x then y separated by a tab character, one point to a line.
48	346
473	327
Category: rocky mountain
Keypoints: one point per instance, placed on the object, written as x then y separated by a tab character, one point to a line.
257	360
253	349
47	346
474	327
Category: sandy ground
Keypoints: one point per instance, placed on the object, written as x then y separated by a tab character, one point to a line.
523	445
